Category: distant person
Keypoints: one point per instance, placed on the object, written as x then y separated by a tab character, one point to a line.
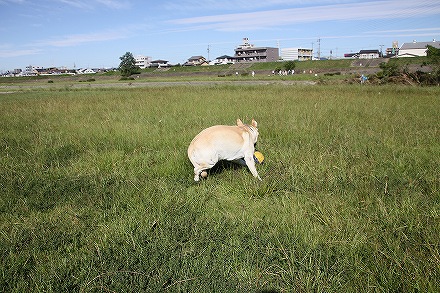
363	79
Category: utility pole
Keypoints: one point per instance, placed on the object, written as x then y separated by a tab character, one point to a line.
208	55
381	53
319	49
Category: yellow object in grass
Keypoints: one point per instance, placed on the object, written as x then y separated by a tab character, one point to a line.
258	157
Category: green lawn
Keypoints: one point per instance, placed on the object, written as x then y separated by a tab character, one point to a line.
98	193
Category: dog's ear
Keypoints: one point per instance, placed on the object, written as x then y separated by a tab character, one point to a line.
254	123
239	123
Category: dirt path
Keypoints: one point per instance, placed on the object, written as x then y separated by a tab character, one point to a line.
25	86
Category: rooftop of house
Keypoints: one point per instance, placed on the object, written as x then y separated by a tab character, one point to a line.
225	57
369	52
196	58
419	45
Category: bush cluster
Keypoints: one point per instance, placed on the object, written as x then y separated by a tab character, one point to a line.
393	73
87	80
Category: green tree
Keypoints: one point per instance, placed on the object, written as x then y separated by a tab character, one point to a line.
128	66
289	65
389	69
432	52
433	55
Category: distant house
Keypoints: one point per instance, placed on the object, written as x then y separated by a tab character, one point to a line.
159	63
33	70
47	71
196	61
415	49
369	54
225	59
85	71
351	55
15	72
364	54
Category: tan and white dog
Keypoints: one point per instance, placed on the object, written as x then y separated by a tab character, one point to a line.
223	142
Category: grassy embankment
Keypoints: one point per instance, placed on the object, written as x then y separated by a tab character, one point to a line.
341	68
97	191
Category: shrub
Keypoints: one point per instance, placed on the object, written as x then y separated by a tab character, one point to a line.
289	65
87	80
389	69
126	78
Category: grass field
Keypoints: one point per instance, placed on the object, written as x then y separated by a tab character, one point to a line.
97	193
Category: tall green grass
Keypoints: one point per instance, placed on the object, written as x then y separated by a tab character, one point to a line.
98	194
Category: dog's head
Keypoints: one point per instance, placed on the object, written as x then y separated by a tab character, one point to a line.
252	129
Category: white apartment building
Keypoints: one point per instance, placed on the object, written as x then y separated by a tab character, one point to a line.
31	70
296	54
143	61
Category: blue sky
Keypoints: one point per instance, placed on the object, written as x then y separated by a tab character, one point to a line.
95	33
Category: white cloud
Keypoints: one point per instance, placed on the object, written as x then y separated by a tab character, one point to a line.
340	12
115	4
78	39
437	29
89	5
12	1
77	4
8	53
242	5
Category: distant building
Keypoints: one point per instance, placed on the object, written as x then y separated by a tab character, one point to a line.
159	63
247	52
85	71
364	54
351	55
196	61
143	61
296	54
31	70
393	51
225	59
415	49
369	54
48	71
17	72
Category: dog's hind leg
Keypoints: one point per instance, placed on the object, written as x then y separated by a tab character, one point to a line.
198	170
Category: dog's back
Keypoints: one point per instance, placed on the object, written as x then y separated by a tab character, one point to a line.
222	142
